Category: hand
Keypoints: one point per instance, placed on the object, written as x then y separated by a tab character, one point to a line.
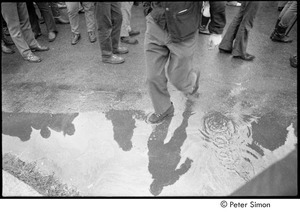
214	40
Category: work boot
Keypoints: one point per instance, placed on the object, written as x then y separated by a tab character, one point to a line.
279	35
113	59
155	118
6	49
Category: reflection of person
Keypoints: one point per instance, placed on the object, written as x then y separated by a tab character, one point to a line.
21	124
164	158
170	40
235	40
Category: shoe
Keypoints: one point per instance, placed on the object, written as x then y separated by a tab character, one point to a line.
61	5
133	33
51	36
225	51
60	20
234	3
92	37
204	30
113	59
278	35
247	57
32	58
129	40
120	50
36	35
155	118
293	61
39	48
6	49
75	38
7	40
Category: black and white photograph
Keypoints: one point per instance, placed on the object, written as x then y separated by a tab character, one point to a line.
150	100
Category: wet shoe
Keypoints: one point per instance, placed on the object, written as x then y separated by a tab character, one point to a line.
6	49
113	59
155	118
51	36
75	39
225	51
120	50
60	20
133	33
129	40
247	57
32	58
39	48
92	37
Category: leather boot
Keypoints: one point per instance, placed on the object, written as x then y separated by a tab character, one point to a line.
279	35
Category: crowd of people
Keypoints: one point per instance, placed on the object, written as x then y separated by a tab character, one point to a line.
170	38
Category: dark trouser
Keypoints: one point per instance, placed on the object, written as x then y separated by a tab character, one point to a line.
159	51
109	21
45	12
239	29
54	9
16	16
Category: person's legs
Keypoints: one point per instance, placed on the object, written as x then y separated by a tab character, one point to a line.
47	15
126	28
34	20
180	68
73	8
156	55
89	8
116	17
230	35
241	41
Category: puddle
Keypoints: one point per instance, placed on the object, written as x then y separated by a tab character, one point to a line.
117	153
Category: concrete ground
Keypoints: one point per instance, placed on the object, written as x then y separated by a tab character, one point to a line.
84	120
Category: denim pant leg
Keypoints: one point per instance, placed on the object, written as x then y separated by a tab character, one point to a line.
33	18
156	56
109	20
241	41
54	9
47	15
288	13
89	12
126	14
73	8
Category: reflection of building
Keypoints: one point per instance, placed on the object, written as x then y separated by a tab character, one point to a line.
20	124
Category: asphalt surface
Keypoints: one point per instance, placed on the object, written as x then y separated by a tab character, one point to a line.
85	120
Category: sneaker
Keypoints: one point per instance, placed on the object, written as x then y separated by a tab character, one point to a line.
155	118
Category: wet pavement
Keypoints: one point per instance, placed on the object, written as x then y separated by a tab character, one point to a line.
85	121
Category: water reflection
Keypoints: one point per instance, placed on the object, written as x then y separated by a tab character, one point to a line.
164	157
229	135
20	124
123	125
